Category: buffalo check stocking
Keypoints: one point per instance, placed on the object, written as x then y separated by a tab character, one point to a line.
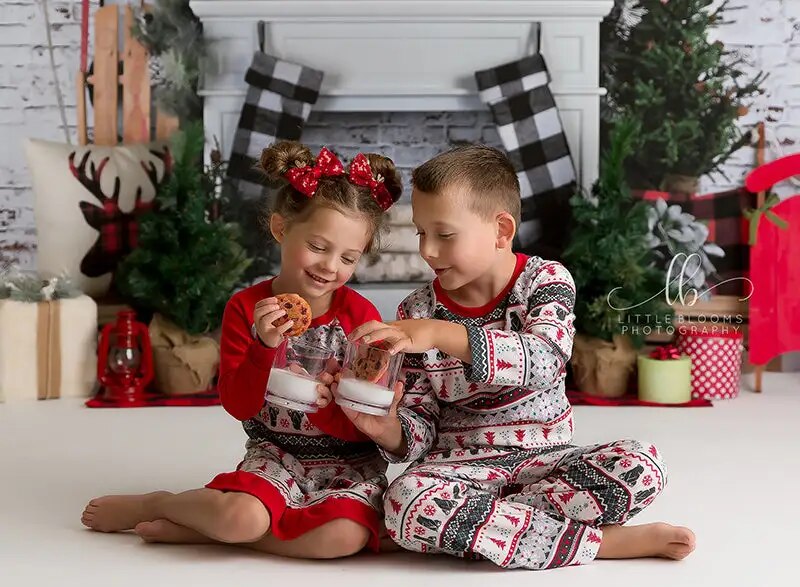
529	125
279	98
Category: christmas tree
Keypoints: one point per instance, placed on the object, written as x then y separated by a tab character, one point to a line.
685	90
609	256
188	261
614	31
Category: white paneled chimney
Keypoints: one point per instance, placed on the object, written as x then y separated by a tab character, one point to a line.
401	55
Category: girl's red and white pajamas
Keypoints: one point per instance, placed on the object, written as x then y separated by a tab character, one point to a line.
494	473
307	469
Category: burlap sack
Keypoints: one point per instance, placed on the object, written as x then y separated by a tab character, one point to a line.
183	364
603	368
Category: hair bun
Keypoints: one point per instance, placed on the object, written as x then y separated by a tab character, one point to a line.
278	158
383	167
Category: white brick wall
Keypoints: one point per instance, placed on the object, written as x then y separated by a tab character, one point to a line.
408	138
767	30
28	106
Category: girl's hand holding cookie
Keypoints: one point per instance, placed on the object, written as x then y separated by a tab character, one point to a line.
266	312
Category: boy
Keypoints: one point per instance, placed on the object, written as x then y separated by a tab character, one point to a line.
484	417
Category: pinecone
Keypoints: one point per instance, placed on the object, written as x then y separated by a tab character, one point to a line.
674	232
157	74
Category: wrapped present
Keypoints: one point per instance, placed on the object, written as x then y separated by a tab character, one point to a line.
48	340
716	353
665	376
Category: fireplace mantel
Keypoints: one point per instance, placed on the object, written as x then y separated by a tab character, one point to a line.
408	55
485	10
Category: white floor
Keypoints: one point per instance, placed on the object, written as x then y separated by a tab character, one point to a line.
734	478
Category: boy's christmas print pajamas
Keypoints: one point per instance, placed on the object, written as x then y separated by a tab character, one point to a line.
494	473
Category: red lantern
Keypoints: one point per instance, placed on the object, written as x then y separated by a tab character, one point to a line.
125	360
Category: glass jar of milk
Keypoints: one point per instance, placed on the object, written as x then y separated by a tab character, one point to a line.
295	375
368	375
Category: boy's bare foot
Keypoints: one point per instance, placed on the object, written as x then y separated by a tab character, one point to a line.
116	513
171	533
647	540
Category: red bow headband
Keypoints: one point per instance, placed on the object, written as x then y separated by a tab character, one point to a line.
361	175
306	179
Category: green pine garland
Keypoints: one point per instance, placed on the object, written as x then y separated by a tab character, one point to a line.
187	262
686	91
174	37
30	287
609	250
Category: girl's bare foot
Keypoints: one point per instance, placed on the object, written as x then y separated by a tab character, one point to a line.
171	533
647	540
116	513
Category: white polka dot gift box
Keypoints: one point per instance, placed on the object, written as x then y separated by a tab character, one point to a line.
716	354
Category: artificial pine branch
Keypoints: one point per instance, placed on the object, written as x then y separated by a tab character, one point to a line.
686	91
30	287
187	262
174	37
609	249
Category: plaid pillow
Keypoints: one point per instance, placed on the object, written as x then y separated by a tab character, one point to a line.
88	202
279	99
722	212
529	125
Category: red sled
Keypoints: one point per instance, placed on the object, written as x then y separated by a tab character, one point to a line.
775	270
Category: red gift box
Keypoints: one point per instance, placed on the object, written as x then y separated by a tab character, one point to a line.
716	354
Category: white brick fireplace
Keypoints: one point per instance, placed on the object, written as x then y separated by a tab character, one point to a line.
408	55
399	75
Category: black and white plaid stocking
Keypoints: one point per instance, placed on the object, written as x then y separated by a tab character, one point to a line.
530	127
279	98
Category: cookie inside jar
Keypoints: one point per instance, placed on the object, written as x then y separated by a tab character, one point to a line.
368	377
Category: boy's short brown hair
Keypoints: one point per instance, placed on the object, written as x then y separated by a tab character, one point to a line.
484	171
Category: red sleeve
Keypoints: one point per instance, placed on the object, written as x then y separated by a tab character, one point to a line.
244	363
354	311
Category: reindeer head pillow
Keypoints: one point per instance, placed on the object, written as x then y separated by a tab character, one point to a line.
87	200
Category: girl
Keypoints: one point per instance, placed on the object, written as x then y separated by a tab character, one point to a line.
310	485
